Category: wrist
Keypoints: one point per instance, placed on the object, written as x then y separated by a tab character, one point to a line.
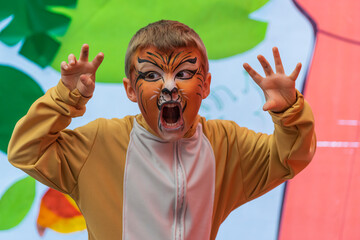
289	105
71	97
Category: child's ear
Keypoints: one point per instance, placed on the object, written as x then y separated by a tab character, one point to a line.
206	85
130	92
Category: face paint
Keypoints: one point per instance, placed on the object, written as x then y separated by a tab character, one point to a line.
169	89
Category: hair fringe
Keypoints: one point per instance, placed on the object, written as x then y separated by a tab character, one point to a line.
165	35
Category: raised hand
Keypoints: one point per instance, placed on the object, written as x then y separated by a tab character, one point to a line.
81	74
278	88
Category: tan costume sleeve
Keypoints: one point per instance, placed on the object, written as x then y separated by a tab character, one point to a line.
249	164
43	149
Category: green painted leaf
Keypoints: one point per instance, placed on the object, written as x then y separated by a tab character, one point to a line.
108	25
17	92
31	19
40	48
16	203
5	9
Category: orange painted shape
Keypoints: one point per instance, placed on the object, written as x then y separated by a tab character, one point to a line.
46	217
59	213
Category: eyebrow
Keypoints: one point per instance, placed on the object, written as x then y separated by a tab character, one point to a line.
185	59
169	58
140	60
189	60
150	53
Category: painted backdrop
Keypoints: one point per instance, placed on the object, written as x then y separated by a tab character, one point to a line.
36	35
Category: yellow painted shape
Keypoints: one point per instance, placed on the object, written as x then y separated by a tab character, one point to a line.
48	219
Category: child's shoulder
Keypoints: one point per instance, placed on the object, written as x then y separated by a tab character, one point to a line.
219	127
115	126
126	121
217	123
219	132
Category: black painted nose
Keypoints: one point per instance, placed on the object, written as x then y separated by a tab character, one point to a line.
172	94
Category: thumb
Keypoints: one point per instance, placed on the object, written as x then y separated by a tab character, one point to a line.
270	104
86	86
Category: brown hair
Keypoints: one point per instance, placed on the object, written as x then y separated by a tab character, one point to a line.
165	35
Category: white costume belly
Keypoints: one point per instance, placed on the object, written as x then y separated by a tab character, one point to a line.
169	187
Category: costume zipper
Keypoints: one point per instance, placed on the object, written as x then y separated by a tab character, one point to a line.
180	196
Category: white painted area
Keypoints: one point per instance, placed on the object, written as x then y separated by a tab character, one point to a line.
337	144
6	22
347	122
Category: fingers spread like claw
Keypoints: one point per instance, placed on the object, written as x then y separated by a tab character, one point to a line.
84	54
253	74
293	76
266	65
98	60
278	63
72	59
64	66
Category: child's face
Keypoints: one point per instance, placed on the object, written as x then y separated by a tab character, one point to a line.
169	88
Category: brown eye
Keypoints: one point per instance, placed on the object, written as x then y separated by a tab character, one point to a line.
185	74
152	76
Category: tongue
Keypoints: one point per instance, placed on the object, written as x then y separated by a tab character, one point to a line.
171	114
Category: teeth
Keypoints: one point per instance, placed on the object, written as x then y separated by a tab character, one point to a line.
171	124
171	104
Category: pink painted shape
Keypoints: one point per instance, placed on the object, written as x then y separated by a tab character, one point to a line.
323	202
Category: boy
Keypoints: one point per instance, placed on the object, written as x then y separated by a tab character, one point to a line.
166	173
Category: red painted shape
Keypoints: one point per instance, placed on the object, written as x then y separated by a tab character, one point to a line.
323	202
58	204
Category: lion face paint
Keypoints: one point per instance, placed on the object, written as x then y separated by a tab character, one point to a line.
169	89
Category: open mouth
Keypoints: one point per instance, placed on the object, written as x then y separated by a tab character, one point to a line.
171	116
